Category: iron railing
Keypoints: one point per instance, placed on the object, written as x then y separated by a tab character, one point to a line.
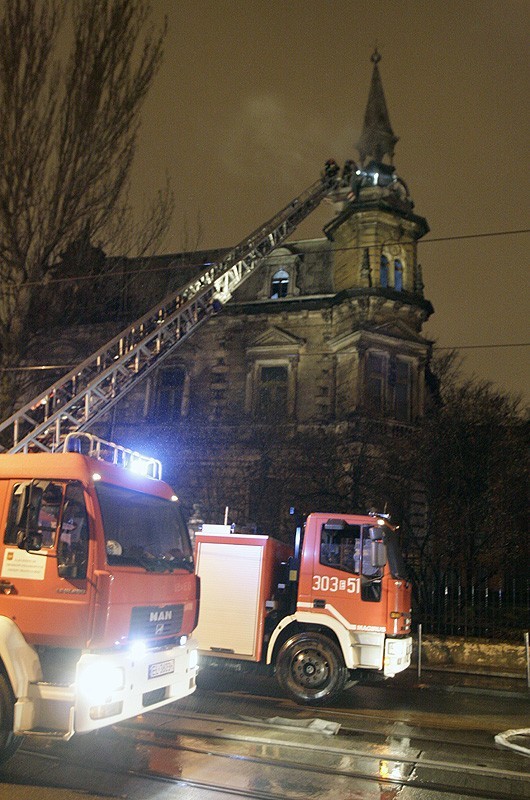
474	610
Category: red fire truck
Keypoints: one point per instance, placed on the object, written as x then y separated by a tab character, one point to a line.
98	592
320	614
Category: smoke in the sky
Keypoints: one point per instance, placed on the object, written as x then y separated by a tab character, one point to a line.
269	139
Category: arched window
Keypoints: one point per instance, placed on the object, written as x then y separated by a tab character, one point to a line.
279	284
383	272
398	275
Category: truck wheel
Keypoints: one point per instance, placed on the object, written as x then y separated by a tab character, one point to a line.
310	668
8	741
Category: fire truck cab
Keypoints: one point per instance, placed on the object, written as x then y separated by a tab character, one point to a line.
98	596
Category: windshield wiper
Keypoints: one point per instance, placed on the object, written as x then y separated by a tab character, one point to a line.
155	563
185	562
172	562
149	562
163	563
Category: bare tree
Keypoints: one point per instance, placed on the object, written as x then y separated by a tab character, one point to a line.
72	85
470	458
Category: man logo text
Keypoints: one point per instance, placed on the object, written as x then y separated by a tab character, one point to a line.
160	616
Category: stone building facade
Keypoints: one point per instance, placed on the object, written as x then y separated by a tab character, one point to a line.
318	355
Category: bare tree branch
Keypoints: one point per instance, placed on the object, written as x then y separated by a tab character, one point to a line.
68	131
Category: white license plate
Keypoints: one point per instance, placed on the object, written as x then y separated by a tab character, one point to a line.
161	668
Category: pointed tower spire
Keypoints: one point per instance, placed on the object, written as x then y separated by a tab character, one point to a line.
377	137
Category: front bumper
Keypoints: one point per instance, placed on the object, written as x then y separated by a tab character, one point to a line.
398	653
110	688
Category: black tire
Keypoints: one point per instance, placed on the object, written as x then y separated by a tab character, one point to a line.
310	669
9	743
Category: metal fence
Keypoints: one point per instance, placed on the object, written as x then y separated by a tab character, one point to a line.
454	609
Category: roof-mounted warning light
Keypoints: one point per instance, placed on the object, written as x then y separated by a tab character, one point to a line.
93	446
383	519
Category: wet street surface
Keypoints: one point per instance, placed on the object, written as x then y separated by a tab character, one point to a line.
237	737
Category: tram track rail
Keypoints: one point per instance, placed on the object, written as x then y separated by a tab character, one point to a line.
387	755
230	745
377	728
354	721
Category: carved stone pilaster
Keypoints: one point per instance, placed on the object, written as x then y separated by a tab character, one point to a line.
366	272
418	280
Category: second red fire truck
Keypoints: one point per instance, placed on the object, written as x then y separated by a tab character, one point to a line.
320	614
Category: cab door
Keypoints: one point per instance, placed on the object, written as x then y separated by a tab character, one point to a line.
336	584
44	561
345	584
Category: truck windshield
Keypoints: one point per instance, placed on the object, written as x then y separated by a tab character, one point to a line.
142	530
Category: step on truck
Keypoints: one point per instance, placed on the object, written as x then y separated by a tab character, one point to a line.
320	615
98	595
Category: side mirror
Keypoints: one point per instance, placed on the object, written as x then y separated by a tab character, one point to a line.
378	554
67	570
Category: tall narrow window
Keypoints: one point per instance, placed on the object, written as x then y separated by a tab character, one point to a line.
383	272
402	405
389	386
272	393
279	284
398	275
375	382
170	394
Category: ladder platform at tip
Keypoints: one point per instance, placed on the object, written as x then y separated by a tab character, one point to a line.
88	391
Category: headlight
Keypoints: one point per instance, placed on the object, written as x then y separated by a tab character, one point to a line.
98	680
138	649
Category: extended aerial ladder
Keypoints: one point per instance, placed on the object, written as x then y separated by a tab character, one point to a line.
86	393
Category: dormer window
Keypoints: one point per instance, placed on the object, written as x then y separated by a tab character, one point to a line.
383	272
279	284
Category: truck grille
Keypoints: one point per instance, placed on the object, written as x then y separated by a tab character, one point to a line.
153	622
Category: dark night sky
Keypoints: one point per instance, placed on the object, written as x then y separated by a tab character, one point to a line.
254	95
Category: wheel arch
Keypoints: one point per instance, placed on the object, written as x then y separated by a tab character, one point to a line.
18	659
301	623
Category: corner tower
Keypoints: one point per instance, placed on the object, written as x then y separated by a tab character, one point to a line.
375	231
374	237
